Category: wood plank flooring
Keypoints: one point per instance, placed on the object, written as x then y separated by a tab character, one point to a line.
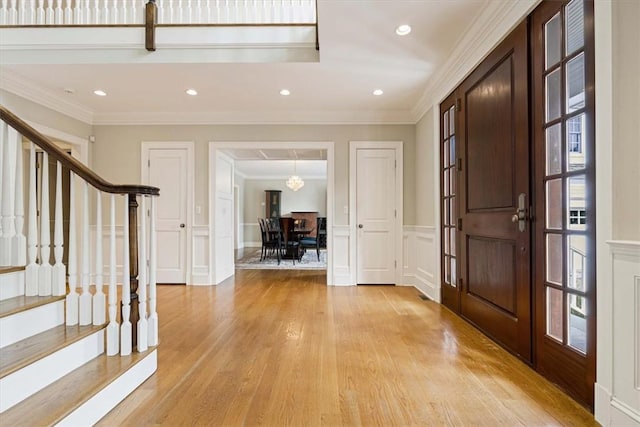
277	347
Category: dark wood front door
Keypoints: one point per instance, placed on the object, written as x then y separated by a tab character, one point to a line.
493	288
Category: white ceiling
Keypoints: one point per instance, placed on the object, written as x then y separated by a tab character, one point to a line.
278	163
359	52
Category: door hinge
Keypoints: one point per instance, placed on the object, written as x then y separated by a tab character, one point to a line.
460	224
395	264
459	164
460	282
149	163
458	104
395	213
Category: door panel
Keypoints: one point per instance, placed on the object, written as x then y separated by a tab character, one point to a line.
224	255
376	183
495	288
167	170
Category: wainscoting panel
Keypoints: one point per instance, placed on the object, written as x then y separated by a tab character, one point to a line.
420	260
251	232
200	272
625	390
341	261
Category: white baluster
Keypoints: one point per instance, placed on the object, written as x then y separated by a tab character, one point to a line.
22	12
29	12
160	9
142	278
96	13
7	200
133	16
206	19
58	13
153	314
179	14
85	296
169	14
198	13
105	13
88	18
188	13
99	299
40	13
31	273
72	296
78	13
113	331
115	13
46	270
19	240
58	280
4	12
124	13
125	327
12	16
68	14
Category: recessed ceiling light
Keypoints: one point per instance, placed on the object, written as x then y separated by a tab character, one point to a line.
378	92
192	92
285	92
100	92
403	29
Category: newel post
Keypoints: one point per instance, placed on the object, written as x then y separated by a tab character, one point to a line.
150	21
133	266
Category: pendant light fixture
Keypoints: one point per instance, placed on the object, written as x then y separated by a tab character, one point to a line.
295	182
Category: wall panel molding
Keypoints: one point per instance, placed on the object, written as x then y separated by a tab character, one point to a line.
420	259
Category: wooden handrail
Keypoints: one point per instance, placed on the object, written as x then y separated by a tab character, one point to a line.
69	162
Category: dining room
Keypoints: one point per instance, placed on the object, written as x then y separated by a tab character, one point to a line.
281	209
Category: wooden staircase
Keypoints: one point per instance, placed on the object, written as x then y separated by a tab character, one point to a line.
76	337
53	374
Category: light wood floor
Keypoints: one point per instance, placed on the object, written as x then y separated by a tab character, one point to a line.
277	347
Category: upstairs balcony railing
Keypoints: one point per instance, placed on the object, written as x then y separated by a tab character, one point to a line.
169	12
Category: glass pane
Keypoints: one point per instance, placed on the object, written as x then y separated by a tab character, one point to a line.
553	95
552	39
445	153
577	314
452	121
453	212
454	276
446	182
554	313
554	150
445	213
452	180
576	206
576	261
453	241
575	26
445	124
576	143
575	83
554	258
452	151
553	201
447	270
445	239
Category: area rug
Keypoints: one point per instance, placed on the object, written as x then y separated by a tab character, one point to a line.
309	261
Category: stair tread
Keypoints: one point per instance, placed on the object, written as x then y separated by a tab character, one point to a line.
54	402
36	347
22	303
7	270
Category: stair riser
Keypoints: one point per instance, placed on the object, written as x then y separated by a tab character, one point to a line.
23	383
109	397
11	285
27	323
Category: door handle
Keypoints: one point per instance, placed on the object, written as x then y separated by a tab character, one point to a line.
521	213
360	226
182	225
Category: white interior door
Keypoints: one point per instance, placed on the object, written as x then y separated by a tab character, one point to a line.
167	170
224	259
376	216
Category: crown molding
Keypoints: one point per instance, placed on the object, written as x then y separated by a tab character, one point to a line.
491	26
283	117
15	84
